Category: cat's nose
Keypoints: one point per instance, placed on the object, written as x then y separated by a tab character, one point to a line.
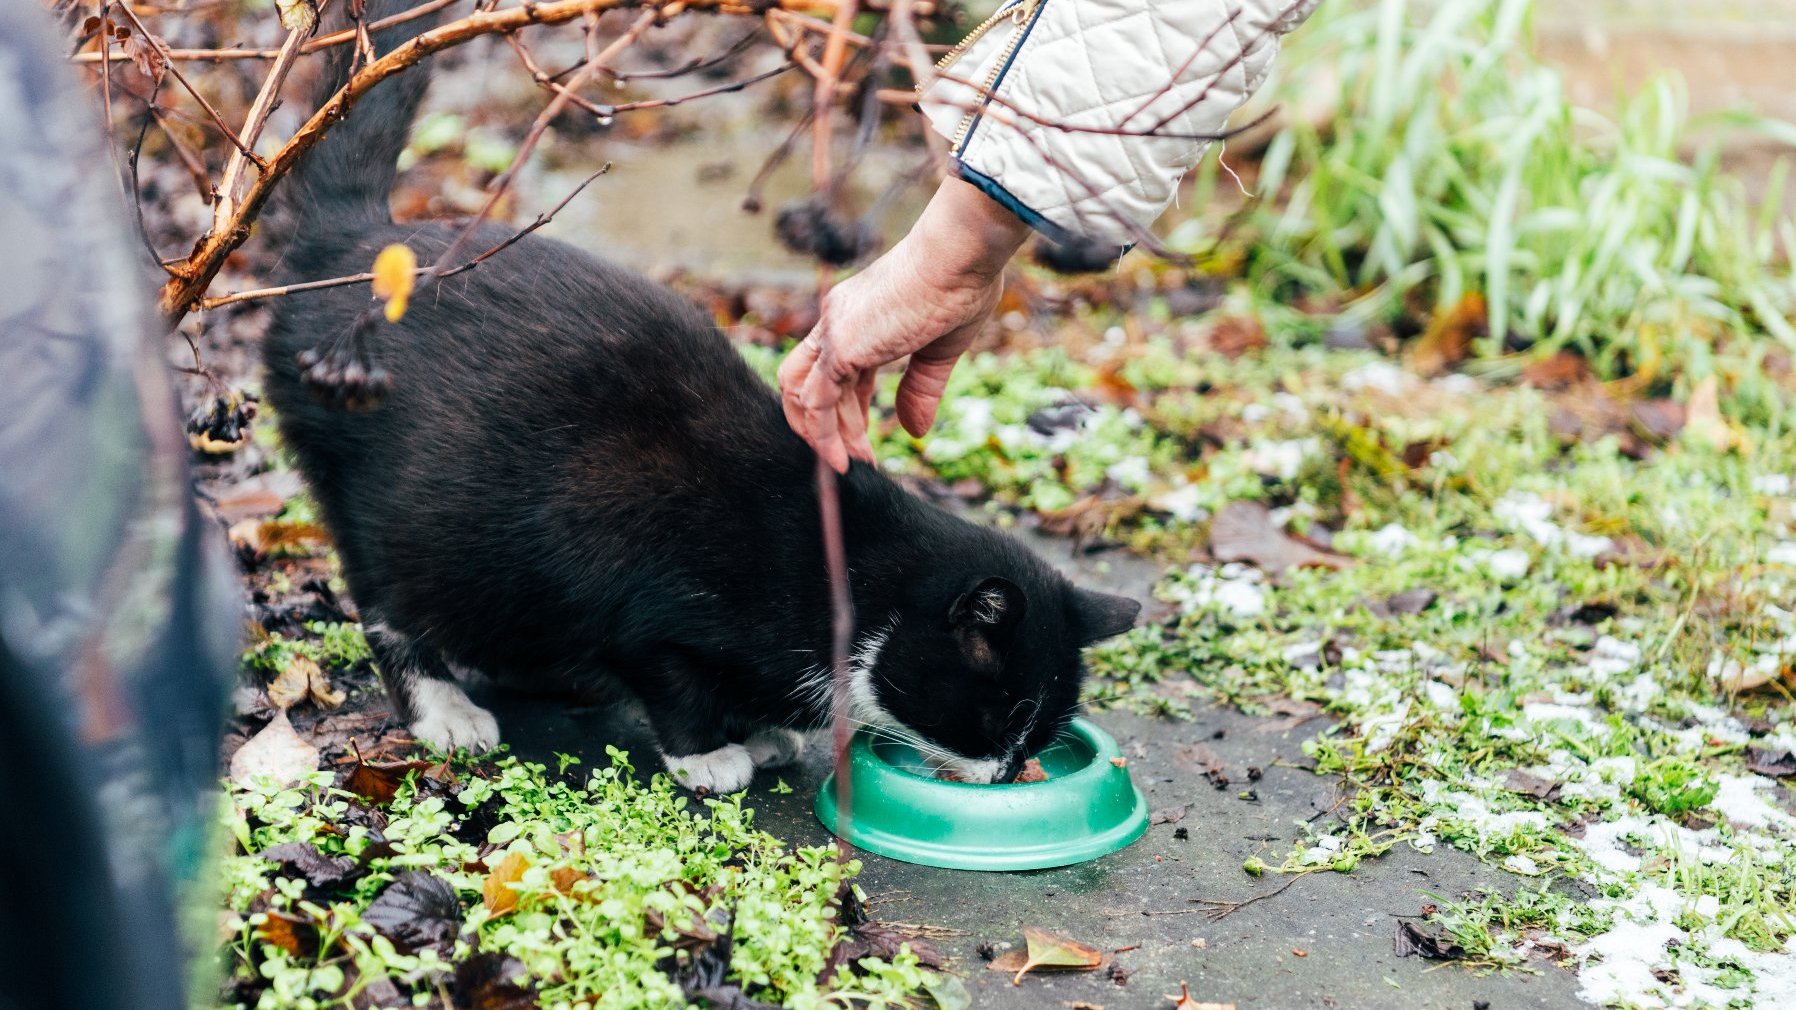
1012	767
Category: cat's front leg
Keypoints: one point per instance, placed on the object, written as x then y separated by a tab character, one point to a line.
775	746
424	693
690	728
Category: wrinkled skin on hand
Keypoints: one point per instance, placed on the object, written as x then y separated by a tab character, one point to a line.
927	298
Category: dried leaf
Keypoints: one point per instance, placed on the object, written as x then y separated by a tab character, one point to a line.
318	685
493	981
1532	785
1049	952
1413	940
394	274
292	683
1237	335
378	783
1169	815
1448	339
417	910
1411	601
298	859
294	934
1775	763
276	752
497	893
1557	372
298	15
145	55
1244	531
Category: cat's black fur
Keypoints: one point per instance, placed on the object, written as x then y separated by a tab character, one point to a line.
574	476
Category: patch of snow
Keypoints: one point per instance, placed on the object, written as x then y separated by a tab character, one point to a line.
1131	472
1611	657
1280	459
1618	965
1379	375
1511	563
1519	863
1741	799
1233	589
1532	515
1391	540
1184	503
1542	711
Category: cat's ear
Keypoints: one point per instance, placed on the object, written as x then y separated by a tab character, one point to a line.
984	620
1097	616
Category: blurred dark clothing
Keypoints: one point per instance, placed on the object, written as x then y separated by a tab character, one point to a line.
117	619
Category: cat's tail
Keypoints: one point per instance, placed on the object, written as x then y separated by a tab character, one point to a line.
344	181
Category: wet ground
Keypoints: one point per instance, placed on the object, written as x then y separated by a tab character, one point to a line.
1324	942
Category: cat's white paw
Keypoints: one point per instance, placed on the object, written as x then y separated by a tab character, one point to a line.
446	718
775	746
724	770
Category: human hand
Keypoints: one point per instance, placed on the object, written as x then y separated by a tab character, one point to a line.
926	297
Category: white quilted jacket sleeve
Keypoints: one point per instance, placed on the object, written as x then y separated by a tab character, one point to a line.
1082	115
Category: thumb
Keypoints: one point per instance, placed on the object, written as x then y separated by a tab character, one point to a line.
920	392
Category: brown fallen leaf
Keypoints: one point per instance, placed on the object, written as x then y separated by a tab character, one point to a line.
1047	952
1244	531
318	685
277	752
417	910
1234	336
493	981
379	782
1532	785
497	893
1413	940
1448	339
1169	815
1556	372
295	935
1775	763
291	685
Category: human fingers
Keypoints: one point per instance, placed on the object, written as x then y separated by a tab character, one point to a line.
820	421
792	373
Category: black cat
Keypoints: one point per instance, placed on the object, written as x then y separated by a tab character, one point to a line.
573	476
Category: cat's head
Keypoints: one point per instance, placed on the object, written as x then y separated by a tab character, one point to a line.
981	673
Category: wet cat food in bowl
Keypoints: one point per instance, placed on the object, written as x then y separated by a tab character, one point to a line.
1085	807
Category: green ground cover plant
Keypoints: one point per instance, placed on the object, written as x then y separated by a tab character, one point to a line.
510	884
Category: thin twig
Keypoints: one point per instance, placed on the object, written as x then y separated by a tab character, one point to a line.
253	123
143	131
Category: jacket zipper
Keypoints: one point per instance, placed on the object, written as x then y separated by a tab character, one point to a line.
1019	14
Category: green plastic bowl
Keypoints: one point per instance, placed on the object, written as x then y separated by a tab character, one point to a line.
1088	807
